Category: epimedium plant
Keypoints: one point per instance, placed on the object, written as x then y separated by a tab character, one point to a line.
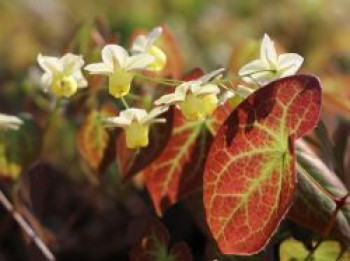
233	141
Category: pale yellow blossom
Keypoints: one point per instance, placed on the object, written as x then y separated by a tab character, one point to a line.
147	44
197	99
136	124
62	76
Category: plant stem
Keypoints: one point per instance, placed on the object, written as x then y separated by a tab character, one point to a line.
26	227
124	103
170	82
52	115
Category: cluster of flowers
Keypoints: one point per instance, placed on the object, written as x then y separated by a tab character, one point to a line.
197	99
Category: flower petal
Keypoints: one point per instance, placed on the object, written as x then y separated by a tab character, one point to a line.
207	77
71	63
226	95
256	66
81	81
138	61
140	44
111	122
170	99
262	78
49	63
134	114
290	63
99	68
114	56
155	112
204	89
268	51
154	34
47	78
10	122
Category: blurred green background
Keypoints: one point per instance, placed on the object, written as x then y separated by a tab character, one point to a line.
208	32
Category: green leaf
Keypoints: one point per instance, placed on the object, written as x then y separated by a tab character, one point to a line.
293	250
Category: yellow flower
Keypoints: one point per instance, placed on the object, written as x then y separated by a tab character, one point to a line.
62	75
119	67
197	99
146	44
9	122
270	66
136	124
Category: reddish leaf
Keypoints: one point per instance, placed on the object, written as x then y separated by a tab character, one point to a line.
249	178
178	171
92	139
312	208
154	245
132	162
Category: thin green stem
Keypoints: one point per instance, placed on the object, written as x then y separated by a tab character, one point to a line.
174	82
52	115
164	81
124	103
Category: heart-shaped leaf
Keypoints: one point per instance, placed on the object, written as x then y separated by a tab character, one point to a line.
250	177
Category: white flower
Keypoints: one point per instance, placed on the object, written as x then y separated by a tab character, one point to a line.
119	67
146	44
270	66
9	122
197	99
63	75
136	123
225	96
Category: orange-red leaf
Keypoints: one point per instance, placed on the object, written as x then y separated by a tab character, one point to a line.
92	139
249	178
178	171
